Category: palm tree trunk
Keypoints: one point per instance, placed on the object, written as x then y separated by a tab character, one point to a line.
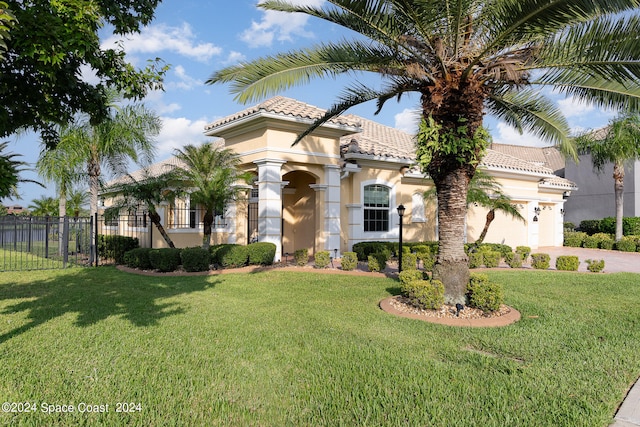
491	215
62	212
207	222
155	220
618	185
94	187
452	263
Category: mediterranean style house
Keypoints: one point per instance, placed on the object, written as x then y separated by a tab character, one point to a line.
343	183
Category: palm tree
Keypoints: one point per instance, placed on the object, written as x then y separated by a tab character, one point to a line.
150	192
77	201
618	143
464	59
10	169
209	174
44	206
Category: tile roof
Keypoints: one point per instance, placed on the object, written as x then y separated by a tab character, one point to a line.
379	141
549	157
285	107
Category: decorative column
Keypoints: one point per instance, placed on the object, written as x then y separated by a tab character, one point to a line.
355	224
231	216
270	203
320	237
332	208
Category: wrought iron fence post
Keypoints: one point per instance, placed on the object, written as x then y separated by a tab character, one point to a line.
65	239
93	257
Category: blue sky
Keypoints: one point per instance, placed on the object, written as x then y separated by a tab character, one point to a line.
199	37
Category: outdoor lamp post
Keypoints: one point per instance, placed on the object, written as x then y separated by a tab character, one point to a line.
400	214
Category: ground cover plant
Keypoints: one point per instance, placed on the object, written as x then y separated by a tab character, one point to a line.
302	348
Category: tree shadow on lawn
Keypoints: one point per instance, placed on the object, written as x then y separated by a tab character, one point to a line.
96	294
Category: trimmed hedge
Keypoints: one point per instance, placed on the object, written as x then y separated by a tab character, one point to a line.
165	259
426	294
540	261
137	258
567	263
232	255
491	259
476	259
485	295
195	259
322	259
407	276
378	261
114	247
301	257
626	244
261	253
409	262
574	239
590	226
349	261
595	266
524	252
513	260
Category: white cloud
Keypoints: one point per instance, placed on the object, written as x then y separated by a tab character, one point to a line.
178	132
506	134
407	120
572	107
185	81
279	26
158	38
234	58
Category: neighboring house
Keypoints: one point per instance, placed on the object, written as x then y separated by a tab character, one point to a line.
342	185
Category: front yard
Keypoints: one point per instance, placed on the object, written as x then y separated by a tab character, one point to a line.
297	348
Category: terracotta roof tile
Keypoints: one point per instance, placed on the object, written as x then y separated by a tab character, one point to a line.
549	157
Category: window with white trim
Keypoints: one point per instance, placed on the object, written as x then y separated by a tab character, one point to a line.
376	207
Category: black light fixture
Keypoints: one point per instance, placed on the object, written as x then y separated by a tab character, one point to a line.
401	209
537	210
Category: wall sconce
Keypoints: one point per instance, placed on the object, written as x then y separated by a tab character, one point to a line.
561	211
401	210
537	210
535	218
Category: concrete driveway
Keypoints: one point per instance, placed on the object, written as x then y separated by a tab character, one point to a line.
614	261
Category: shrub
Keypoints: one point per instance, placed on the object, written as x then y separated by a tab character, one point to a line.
567	263
491	259
137	258
485	295
261	253
475	278
608	225
631	226
569	226
378	261
195	259
497	247
322	259
165	259
595	266
409	261
301	257
407	276
364	249
426	294
424	254
476	259
599	240
513	259
524	252
540	261
232	256
590	226
114	247
574	239
626	244
591	241
349	261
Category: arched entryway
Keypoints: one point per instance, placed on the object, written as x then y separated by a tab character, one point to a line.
298	212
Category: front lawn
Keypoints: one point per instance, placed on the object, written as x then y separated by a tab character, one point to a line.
297	348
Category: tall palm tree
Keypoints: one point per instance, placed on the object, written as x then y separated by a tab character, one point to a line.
10	169
209	174
618	143
149	192
464	59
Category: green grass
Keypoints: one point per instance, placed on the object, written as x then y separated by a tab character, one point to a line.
284	348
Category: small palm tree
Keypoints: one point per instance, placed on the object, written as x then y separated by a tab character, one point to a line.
618	144
44	206
10	169
150	192
77	201
209	174
464	59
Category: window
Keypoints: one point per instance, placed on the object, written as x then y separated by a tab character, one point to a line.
137	218
185	214
376	208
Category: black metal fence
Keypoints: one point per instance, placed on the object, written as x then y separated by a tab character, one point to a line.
45	243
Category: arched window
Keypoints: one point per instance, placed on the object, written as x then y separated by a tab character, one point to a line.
376	208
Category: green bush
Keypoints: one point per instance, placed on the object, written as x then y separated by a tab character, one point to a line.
567	263
524	252
491	259
165	259
195	259
590	226
495	247
631	226
301	257
591	241
407	276
137	258
574	239
424	254
349	261
114	247
261	253
409	261
626	244
232	256
476	259
595	266
569	226
540	261
426	294
378	261
475	278
322	259
513	260
599	240
364	249
485	295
